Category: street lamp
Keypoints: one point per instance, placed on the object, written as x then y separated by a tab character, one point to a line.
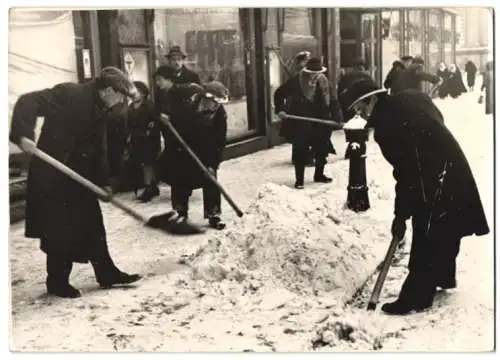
356	136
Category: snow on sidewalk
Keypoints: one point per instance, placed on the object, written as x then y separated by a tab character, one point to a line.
172	311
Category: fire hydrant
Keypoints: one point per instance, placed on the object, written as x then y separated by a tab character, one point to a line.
357	191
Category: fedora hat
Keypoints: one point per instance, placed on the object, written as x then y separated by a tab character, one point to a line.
314	65
175	50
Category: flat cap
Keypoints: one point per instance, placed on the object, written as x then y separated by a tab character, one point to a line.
118	80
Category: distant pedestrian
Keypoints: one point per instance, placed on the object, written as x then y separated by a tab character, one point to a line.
471	70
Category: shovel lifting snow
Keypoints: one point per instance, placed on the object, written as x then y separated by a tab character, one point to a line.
165	120
166	222
377	289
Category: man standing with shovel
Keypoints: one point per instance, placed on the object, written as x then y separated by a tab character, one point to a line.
63	214
435	187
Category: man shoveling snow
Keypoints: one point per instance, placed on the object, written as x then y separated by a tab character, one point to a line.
434	186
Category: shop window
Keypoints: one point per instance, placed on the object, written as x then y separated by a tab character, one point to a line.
134	45
434	38
132	27
214	41
414	31
448	38
390	40
298	33
274	63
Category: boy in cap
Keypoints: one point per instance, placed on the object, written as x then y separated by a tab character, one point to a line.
201	120
144	140
63	214
435	187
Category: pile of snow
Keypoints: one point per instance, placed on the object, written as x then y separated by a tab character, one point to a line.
307	244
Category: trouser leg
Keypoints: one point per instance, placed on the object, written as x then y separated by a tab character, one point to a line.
180	199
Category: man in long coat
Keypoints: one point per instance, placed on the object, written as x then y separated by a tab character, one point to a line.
308	94
435	187
199	117
59	211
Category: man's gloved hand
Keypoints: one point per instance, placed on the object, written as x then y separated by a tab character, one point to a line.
398	228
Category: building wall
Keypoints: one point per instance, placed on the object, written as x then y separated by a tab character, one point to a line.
475	31
31	65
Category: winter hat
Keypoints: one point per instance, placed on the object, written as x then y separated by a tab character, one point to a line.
358	88
142	88
175	50
118	80
216	91
302	56
314	65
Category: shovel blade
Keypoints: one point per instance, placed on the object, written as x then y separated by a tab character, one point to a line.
168	223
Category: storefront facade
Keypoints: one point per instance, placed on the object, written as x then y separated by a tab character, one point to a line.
249	50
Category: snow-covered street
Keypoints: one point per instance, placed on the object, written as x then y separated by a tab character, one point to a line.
208	293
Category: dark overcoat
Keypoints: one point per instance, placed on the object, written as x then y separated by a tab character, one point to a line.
60	211
419	133
412	78
488	87
144	131
471	70
206	137
443	88
290	98
455	84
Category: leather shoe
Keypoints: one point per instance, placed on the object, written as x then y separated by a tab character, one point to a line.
399	307
120	278
66	291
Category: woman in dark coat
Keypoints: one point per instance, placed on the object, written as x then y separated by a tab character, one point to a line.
59	211
455	84
308	94
471	70
488	87
423	152
144	141
444	74
201	120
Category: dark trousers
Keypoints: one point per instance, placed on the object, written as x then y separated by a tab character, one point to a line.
300	151
432	261
59	269
211	199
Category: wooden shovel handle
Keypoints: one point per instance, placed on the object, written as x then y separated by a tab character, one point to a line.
316	120
377	289
101	193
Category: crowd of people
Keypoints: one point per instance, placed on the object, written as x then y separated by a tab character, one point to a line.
435	187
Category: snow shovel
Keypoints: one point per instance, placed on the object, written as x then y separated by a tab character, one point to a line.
377	289
166	121
315	120
166	222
